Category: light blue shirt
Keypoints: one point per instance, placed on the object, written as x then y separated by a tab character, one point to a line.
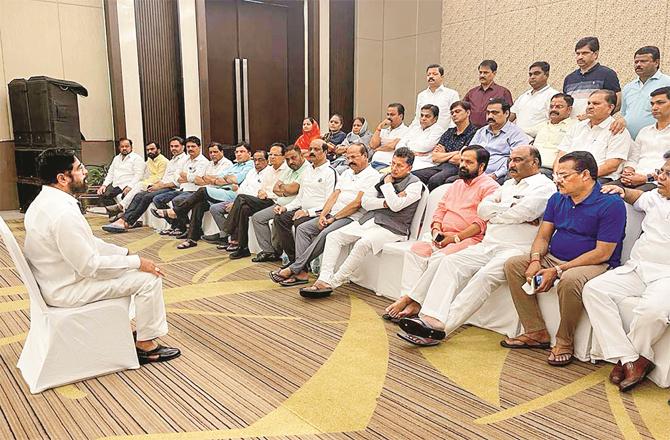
500	145
636	102
224	193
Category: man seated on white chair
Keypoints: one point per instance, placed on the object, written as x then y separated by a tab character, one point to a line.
125	171
342	207
156	165
646	276
455	225
463	281
388	219
73	268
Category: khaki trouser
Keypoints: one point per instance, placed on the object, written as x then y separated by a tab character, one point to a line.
569	291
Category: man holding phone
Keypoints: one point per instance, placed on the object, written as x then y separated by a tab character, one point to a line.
387	135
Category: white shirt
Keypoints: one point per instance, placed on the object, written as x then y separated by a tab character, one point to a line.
316	186
532	109
125	170
387	135
422	141
192	168
215	169
350	184
61	248
646	152
442	97
271	178
599	141
174	168
507	224
649	254
252	183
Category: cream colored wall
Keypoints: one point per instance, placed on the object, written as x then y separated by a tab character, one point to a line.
395	41
62	39
516	33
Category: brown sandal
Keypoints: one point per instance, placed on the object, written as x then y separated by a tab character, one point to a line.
526	342
560	350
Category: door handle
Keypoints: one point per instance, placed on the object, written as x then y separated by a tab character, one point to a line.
238	99
245	94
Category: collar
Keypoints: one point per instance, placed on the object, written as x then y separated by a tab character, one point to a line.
323	165
52	193
530	92
439	89
656	75
428	128
503	129
531	179
178	156
595	66
604	124
591	199
282	167
156	158
493	84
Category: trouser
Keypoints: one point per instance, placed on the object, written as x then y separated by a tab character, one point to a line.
261	222
463	282
237	222
128	198
643	187
310	241
109	196
140	204
180	222
283	227
198	204
569	291
602	296
420	258
148	290
437	175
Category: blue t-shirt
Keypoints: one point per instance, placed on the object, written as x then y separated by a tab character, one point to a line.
599	217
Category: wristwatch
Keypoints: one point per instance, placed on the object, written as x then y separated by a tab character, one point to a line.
650	178
457	239
559	271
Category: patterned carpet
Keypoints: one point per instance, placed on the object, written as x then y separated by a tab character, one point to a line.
260	362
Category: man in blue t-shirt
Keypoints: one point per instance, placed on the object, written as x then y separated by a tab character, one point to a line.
580	237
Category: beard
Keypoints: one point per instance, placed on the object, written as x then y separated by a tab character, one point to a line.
78	187
152	155
466	174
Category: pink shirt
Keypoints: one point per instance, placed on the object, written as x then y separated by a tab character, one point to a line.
458	208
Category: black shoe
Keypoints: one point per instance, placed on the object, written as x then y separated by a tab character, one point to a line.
264	257
158	354
215	239
240	253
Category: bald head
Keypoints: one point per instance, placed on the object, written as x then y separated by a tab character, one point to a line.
524	161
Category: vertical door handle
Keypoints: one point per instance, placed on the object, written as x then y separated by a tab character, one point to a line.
245	91
238	99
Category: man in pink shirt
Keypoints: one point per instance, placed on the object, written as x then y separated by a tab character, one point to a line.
455	226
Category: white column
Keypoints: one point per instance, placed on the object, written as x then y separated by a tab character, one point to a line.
324	63
130	73
188	34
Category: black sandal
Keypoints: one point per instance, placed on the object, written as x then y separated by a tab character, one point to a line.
187	244
417	327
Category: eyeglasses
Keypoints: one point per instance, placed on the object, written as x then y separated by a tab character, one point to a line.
561	177
659	173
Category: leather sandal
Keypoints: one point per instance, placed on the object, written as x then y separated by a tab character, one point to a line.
526	342
158	354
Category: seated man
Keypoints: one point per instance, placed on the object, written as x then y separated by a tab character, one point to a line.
388	219
387	135
73	268
446	153
125	171
286	188
236	225
646	152
449	294
643	276
195	167
143	199
455	226
499	137
220	190
156	164
422	138
318	183
580	237
550	134
342	207
594	135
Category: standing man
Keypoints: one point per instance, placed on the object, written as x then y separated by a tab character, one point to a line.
125	172
580	237
593	134
446	154
550	133
74	268
388	219
436	94
645	275
387	135
532	107
589	77
479	96
499	137
636	95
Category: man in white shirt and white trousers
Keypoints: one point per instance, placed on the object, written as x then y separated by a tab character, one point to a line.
645	275
73	268
124	173
437	94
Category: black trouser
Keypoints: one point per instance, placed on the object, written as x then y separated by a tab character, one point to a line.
437	175
237	223
108	197
283	227
198	204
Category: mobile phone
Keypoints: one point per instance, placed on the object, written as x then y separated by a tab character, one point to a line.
537	280
439	237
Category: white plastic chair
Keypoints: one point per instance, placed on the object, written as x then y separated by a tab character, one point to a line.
66	345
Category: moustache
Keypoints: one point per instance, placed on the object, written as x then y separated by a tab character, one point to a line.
490	120
553	112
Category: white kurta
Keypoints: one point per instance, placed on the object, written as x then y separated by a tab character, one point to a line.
125	171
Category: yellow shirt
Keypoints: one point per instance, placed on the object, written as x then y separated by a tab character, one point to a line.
155	170
549	137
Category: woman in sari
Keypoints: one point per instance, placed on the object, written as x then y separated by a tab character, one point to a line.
310	131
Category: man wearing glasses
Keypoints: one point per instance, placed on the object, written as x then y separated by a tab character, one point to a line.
645	275
341	208
580	237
